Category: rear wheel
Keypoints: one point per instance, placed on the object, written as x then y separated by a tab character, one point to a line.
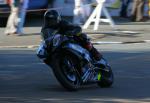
107	78
66	71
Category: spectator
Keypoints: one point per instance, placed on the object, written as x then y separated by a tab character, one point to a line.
124	8
137	10
11	27
81	12
22	13
148	9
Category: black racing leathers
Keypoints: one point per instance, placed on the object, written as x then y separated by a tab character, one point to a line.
63	27
66	28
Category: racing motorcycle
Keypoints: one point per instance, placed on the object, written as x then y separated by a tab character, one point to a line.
73	65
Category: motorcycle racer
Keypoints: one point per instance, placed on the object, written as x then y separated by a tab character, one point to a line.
53	23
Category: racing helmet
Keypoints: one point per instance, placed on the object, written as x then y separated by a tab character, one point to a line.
52	18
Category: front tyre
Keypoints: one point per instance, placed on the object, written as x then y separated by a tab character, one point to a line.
66	72
107	78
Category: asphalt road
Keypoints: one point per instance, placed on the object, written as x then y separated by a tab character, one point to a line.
25	79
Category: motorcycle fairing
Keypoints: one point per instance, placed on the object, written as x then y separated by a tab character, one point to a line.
78	50
41	51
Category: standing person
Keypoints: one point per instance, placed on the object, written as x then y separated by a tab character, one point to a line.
81	12
149	9
124	8
11	27
137	10
22	13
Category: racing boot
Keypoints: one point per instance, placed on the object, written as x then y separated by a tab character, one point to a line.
98	57
95	54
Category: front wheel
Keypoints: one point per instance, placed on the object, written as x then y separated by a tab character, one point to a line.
66	72
107	78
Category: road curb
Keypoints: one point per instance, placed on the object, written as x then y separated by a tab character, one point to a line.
95	43
22	46
125	42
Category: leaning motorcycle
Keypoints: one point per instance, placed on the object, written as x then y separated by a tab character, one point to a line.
72	65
